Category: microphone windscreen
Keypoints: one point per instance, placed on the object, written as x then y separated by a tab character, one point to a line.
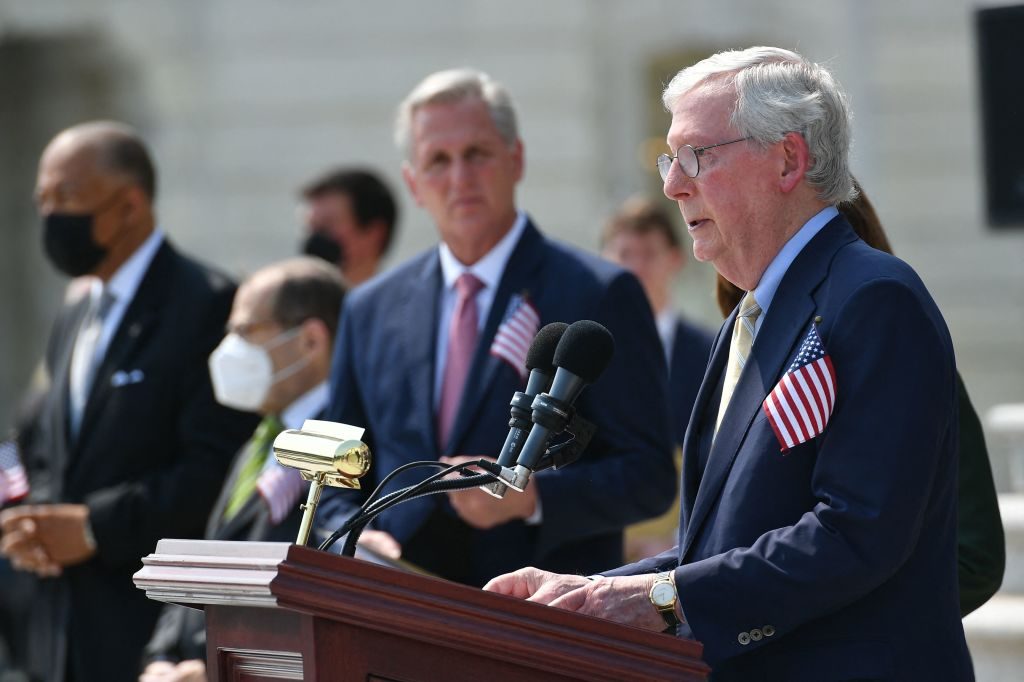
585	350
542	351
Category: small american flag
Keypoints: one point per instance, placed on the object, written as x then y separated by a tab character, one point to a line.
281	487
514	336
800	405
13	480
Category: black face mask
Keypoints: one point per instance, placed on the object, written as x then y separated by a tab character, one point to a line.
320	245
69	244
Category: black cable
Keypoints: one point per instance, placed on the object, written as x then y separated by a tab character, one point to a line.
420	490
355	525
371	508
325	545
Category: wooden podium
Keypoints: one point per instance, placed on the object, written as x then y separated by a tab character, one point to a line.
282	612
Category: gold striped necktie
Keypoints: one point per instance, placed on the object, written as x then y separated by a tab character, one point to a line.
739	350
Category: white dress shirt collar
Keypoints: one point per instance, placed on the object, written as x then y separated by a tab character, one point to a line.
306	406
123	285
125	282
488	269
776	270
666	322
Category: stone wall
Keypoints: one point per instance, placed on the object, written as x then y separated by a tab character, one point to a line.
244	99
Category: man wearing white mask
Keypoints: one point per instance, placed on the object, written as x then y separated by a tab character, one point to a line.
274	361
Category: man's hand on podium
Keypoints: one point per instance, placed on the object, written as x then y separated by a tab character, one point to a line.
621	599
192	670
484	511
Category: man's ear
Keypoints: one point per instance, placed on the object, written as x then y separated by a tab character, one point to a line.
519	158
409	175
379	230
315	337
135	204
796	161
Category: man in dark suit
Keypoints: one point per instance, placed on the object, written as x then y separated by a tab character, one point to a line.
283	320
642	238
818	523
128	445
429	355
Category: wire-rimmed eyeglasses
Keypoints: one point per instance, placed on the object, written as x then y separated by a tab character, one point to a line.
688	157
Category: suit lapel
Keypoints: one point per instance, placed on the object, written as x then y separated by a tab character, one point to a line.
791	311
140	319
518	278
252	512
694	432
416	333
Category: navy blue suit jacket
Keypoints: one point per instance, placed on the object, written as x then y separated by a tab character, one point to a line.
150	457
688	361
383	379
840	553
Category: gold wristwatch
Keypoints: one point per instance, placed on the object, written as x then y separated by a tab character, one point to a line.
664	597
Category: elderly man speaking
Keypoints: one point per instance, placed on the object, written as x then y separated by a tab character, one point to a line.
818	502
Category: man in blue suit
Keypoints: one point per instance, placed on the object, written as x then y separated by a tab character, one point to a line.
429	355
818	516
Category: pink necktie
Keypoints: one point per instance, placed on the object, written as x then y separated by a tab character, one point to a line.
462	335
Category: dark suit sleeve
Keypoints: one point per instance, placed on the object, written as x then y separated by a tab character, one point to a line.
981	547
627	473
164	644
665	561
174	501
877	468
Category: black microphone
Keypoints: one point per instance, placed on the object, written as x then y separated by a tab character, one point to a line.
540	360
582	355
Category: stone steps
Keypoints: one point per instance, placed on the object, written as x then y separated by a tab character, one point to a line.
995	632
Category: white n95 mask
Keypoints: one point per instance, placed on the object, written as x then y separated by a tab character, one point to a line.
242	372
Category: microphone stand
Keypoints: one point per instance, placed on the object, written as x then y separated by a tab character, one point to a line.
555	456
432	485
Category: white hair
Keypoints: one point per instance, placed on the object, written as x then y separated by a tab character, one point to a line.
455	85
777	92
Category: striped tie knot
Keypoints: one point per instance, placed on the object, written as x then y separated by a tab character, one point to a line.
739	349
746	321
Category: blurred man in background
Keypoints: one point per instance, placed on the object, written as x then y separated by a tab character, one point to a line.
429	355
350	220
128	444
642	238
274	360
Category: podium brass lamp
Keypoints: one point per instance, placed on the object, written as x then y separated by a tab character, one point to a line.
325	453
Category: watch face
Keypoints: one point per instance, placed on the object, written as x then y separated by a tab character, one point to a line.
662	594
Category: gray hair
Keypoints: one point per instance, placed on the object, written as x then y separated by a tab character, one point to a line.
455	85
777	92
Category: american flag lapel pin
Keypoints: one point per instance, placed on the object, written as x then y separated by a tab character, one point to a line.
515	334
799	406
